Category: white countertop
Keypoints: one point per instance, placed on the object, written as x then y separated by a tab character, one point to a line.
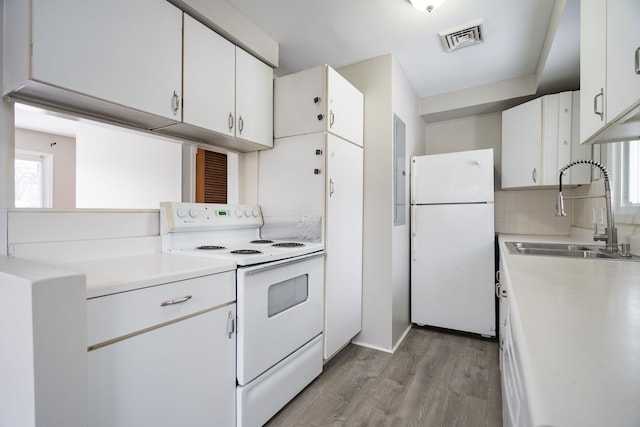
119	274
576	323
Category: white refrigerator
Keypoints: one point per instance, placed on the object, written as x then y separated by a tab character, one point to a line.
452	242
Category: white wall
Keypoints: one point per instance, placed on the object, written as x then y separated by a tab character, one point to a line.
405	105
373	79
64	162
385	314
118	168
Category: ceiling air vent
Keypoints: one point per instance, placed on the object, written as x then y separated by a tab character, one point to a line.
462	36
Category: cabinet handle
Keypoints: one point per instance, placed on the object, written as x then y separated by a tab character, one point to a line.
331	118
175	101
230	122
232	324
595	104
331	189
316	99
240	125
498	290
176	301
638	60
534	174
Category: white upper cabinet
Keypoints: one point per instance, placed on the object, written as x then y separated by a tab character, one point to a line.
254	100
128	62
228	94
609	61
78	54
209	78
315	100
538	138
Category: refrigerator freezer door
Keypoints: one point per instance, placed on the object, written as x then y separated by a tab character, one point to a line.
463	177
452	267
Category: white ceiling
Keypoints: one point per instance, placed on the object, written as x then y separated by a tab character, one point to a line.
343	32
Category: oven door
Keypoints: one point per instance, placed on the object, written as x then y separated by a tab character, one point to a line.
280	308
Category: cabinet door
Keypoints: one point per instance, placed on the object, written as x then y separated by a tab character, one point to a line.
254	99
209	79
291	178
343	244
593	43
182	374
122	51
623	40
521	139
299	103
549	142
345	109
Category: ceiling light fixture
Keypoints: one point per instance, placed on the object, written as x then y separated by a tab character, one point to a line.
426	5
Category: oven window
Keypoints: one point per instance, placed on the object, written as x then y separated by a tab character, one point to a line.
284	295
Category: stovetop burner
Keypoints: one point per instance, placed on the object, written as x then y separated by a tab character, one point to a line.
287	245
261	241
211	247
246	252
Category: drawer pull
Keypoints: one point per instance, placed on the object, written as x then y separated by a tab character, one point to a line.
176	301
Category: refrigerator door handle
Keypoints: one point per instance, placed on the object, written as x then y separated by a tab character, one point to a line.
413	220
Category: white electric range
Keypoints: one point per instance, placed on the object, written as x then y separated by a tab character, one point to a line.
280	291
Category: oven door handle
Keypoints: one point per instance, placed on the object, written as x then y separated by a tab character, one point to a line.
277	264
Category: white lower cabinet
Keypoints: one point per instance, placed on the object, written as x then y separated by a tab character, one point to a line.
177	372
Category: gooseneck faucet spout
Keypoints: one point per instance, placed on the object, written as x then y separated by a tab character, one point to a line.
610	236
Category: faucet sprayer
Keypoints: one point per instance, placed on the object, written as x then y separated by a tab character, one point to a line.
610	236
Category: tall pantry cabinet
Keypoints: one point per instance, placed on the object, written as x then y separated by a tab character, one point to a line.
310	185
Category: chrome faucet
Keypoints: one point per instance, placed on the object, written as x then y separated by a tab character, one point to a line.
610	235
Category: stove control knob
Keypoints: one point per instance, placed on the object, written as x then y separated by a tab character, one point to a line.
247	213
238	213
193	213
181	213
255	212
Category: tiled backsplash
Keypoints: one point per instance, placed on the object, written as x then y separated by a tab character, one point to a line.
531	212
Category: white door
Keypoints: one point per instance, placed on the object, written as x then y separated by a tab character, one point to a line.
593	66
254	99
181	374
95	47
461	177
452	267
209	79
299	103
345	110
521	145
623	41
343	243
291	180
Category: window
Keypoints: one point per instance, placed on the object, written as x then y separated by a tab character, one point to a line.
624	162
33	179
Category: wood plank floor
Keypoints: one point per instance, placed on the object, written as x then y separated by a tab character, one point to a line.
434	379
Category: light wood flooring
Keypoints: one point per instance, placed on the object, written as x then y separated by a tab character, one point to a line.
434	378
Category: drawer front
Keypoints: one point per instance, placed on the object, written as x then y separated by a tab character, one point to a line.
117	315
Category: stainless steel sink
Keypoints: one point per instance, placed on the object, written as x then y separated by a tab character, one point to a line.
568	250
